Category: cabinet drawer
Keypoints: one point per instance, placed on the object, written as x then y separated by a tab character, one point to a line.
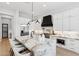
72	49
76	50
74	40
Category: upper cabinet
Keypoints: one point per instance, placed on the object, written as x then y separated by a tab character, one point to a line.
58	22
67	20
74	19
74	12
74	24
55	22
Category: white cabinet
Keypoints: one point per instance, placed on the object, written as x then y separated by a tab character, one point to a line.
75	24
66	24
67	20
74	12
76	45
62	21
74	19
55	22
72	44
58	22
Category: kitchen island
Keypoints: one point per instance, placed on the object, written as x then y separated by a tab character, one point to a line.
39	46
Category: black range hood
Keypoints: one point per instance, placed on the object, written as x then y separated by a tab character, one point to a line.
47	21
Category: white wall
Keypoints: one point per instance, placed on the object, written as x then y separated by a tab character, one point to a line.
17	25
7	12
23	21
4	13
67	20
16	21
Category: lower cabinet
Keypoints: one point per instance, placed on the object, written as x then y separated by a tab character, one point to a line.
71	44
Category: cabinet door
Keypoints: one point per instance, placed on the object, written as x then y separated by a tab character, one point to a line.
70	44
60	22
76	47
66	21
75	24
73	45
75	19
74	12
55	22
66	24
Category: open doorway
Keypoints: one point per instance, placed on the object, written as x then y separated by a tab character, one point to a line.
4	30
6	27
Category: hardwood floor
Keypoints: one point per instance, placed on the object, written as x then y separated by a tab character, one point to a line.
5	50
4	47
65	52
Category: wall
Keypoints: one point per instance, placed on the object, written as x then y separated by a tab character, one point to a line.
67	20
7	14
23	21
16	21
17	25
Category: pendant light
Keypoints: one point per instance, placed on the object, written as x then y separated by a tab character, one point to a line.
32	12
32	16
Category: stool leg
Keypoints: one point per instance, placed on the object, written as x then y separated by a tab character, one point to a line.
11	52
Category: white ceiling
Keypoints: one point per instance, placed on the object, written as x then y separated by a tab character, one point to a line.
38	8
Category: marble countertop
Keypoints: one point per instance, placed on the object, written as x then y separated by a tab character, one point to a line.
35	46
69	36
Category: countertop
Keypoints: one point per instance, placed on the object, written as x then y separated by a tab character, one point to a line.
35	46
66	36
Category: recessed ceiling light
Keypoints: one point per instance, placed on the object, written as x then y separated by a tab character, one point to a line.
44	5
8	3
